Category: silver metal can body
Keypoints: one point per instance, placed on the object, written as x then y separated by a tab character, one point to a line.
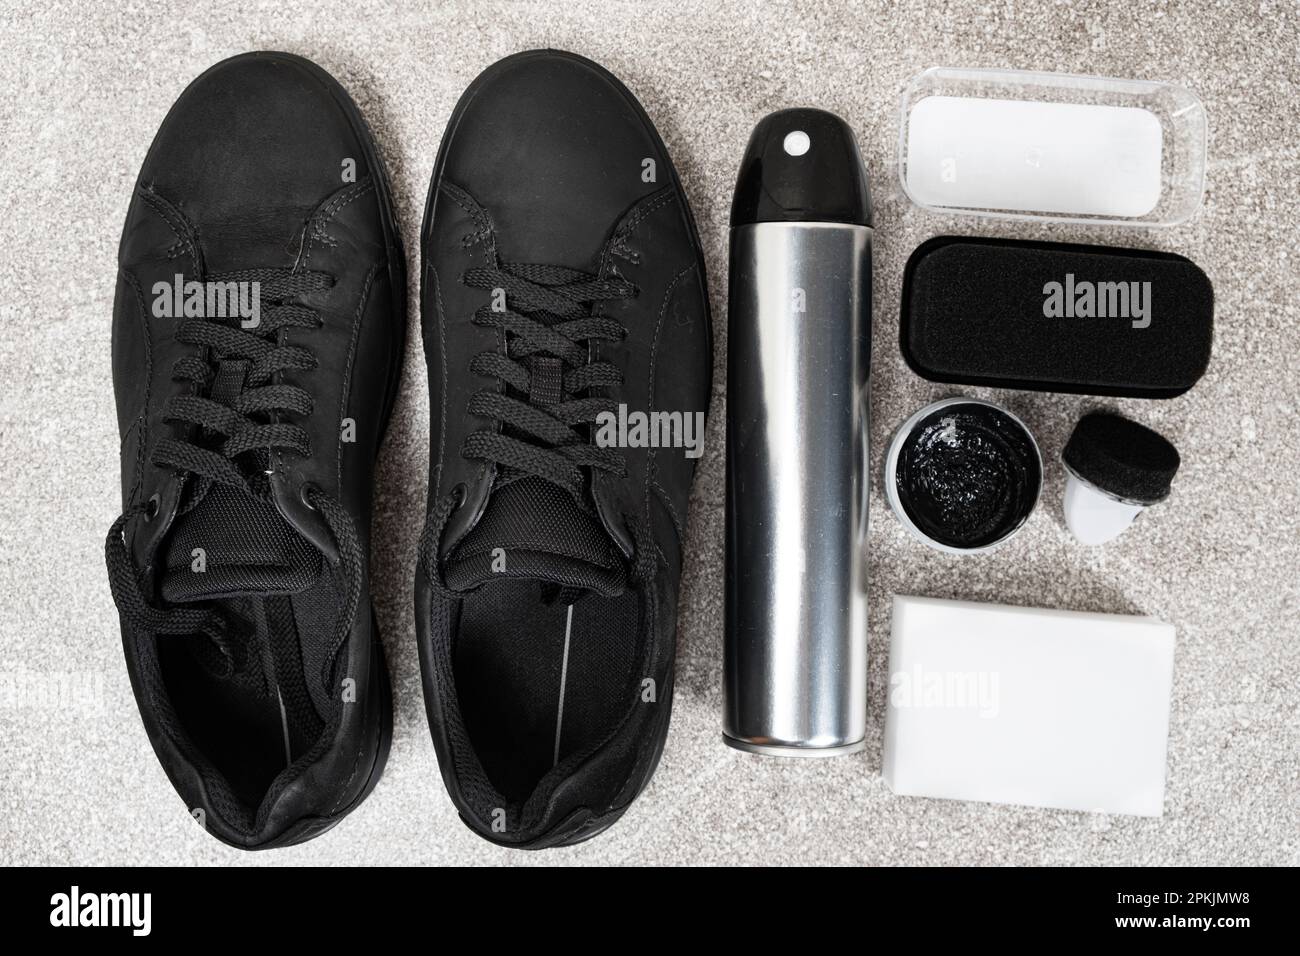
798	344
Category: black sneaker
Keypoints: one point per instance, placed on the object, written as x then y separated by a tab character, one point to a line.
251	409
563	277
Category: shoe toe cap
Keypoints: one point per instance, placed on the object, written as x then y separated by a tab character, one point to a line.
556	149
253	126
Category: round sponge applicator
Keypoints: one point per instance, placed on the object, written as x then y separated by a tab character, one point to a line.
1116	469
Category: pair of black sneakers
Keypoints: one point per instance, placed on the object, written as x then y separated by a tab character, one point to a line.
258	334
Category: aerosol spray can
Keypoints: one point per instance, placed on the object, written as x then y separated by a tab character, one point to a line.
798	357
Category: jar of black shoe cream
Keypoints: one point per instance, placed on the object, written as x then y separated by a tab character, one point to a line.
963	475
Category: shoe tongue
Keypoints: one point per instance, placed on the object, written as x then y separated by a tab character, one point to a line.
230	544
534	530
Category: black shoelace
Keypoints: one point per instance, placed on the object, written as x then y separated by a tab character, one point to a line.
238	377
548	323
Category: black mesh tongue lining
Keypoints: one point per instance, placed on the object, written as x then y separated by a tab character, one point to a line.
247	548
543	534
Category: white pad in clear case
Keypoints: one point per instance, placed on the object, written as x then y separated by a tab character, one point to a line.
1046	157
1027	706
1050	146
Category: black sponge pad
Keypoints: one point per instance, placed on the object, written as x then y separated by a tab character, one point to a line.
1053	317
1121	457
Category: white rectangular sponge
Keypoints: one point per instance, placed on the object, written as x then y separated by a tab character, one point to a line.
1027	706
1069	158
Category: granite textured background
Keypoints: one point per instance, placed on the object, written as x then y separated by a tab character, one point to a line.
85	88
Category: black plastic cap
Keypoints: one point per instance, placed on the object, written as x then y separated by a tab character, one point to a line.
827	183
1121	457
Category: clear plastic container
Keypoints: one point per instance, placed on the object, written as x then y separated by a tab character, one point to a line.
1016	144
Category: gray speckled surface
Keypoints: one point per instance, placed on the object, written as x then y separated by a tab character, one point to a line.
86	87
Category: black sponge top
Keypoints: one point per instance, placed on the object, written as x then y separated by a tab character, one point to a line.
1053	317
1119	456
